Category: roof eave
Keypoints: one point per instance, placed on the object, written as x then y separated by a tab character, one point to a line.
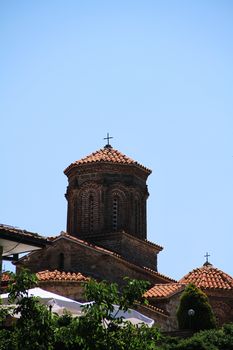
75	165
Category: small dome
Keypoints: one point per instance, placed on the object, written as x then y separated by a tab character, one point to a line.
208	277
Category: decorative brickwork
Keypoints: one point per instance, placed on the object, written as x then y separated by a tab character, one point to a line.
107	192
106	239
88	260
138	251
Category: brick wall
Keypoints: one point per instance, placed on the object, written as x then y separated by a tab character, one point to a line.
70	289
133	249
89	261
106	198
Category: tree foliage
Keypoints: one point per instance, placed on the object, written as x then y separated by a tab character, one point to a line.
35	328
213	339
99	328
194	299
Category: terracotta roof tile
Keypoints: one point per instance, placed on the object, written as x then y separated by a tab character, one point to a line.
107	155
209	277
164	290
60	276
5	277
17	232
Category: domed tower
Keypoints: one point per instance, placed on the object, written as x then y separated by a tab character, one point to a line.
218	286
106	193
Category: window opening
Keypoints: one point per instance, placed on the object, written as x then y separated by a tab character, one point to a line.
115	214
61	261
137	216
91	214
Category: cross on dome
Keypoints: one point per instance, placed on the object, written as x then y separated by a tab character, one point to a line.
108	138
207	256
207	263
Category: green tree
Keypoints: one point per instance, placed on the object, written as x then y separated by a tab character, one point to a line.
101	328
202	316
35	327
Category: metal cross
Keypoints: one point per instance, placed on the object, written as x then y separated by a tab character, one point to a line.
207	256
108	138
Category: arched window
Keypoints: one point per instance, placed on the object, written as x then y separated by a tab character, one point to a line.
115	213
91	214
75	215
117	209
89	211
137	217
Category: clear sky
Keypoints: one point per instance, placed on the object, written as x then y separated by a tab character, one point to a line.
158	76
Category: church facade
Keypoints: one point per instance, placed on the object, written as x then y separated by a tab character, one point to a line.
106	235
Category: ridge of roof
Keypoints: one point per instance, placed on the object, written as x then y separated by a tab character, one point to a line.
107	155
155	308
21	232
160	274
55	275
126	234
154	244
91	245
208	277
164	290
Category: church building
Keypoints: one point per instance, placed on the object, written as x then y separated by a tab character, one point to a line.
106	235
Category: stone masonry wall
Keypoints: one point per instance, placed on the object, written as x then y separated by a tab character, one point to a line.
132	249
70	289
87	260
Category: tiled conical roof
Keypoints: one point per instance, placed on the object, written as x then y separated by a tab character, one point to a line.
107	155
208	277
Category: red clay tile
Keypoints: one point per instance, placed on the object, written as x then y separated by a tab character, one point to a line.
5	277
60	276
107	155
164	290
208	277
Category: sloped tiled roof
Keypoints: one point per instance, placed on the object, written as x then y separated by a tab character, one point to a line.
159	274
155	309
153	244
17	233
60	276
209	277
107	155
79	240
164	290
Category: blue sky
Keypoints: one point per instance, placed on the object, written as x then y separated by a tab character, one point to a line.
156	75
